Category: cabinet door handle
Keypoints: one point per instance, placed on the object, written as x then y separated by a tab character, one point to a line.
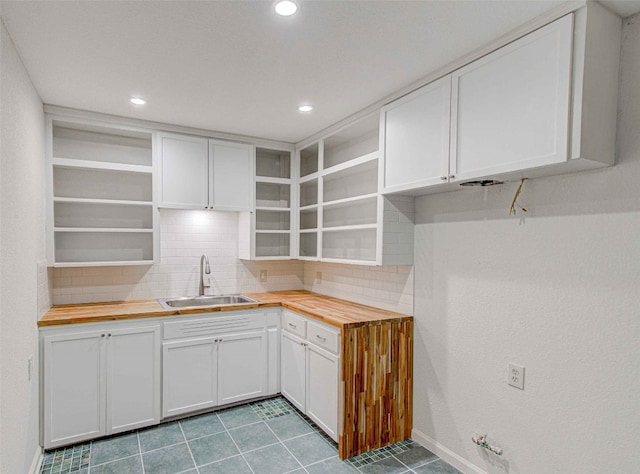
109	335
293	325
102	335
443	178
323	339
452	176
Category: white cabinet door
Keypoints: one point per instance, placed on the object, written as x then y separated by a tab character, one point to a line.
293	370
189	380
231	186
133	378
74	387
242	367
415	138
510	109
184	172
322	389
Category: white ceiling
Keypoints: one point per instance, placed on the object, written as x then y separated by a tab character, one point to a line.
236	67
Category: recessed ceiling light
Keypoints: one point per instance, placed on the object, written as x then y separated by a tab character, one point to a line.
286	7
137	101
305	108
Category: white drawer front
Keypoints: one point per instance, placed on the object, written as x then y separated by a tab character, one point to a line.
294	323
214	324
323	336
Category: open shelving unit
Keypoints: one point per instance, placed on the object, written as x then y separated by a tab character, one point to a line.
266	233
338	184
341	216
100	210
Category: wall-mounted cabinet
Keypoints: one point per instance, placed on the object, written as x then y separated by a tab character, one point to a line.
197	173
267	233
544	104
100	180
341	216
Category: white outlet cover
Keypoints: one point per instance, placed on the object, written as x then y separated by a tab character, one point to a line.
515	377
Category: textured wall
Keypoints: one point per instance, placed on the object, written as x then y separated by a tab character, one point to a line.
557	291
22	237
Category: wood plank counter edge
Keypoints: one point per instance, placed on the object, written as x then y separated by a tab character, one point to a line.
337	312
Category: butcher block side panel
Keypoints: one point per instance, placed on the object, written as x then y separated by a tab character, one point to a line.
376	386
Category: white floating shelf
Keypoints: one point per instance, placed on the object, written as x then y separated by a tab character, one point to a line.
117	202
350	261
345	228
307	178
103	264
369	157
102	230
100	165
268	179
350	200
275	257
349	169
271	208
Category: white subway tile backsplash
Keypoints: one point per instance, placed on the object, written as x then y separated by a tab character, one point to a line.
185	235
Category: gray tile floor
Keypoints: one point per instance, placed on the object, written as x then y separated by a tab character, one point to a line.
265	437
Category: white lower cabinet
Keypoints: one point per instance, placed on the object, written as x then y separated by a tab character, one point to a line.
242	367
214	366
99	382
322	389
309	372
189	379
293	370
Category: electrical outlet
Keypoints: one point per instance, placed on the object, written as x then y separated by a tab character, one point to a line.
318	277
30	367
516	376
263	276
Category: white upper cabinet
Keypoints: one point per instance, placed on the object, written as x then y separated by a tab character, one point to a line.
415	138
231	183
196	173
543	104
510	109
184	163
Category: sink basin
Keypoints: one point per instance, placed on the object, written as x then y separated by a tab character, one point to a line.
199	301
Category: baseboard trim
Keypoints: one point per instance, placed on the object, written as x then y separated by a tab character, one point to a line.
37	461
445	453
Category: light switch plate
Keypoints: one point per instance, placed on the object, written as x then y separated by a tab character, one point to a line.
263	276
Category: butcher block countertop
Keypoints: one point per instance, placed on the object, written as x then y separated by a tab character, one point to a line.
334	311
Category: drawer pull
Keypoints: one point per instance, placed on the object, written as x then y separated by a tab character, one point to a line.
323	339
293	325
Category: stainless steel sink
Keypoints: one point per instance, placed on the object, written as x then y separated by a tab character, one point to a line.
199	301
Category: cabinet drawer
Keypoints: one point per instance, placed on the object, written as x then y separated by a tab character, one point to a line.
323	336
294	323
213	324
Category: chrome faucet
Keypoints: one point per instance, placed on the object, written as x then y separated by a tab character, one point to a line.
203	260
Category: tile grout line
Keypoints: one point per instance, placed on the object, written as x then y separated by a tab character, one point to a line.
234	441
189	448
288	450
90	456
140	450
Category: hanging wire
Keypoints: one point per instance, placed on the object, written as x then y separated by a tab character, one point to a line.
514	202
